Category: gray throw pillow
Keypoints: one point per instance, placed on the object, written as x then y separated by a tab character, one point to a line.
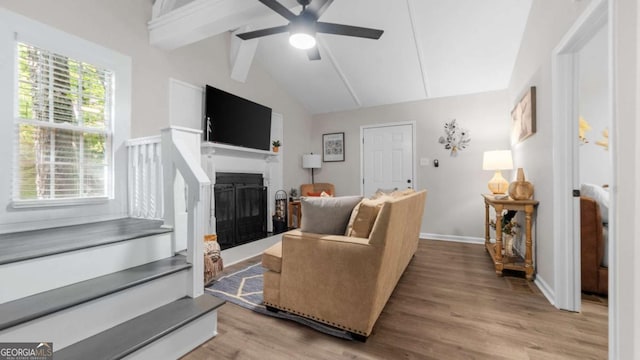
327	215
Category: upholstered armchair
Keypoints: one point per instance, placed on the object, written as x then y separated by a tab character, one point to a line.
316	189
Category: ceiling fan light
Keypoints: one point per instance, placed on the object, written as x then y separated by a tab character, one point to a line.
301	40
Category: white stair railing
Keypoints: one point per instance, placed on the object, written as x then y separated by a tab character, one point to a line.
145	183
181	154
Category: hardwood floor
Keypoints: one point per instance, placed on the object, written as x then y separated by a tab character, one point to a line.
449	304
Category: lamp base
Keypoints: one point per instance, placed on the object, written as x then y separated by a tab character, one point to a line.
498	184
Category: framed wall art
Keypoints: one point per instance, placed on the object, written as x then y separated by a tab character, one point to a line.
333	147
523	117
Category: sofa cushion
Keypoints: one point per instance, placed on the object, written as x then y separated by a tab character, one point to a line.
364	215
272	257
327	215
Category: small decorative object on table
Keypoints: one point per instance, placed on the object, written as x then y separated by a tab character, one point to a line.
276	145
212	260
509	230
520	189
293	194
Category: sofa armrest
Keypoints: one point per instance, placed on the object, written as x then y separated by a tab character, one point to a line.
591	244
330	277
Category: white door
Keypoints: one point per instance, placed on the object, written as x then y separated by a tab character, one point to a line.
387	154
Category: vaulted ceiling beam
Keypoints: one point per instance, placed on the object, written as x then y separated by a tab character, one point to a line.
324	50
161	7
241	55
417	41
201	19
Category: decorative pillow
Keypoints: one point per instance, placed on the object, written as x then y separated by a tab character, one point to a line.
327	215
600	195
364	215
381	192
319	193
325	194
401	193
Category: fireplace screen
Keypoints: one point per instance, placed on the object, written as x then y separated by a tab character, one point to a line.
241	208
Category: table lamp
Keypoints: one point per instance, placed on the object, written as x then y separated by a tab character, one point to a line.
311	161
497	160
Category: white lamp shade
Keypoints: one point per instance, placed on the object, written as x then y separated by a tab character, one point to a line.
497	160
311	161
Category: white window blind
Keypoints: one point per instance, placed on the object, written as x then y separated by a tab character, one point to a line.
63	130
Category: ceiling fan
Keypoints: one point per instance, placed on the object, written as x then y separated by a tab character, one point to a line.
304	26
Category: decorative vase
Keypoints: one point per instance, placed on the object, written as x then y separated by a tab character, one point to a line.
520	189
508	244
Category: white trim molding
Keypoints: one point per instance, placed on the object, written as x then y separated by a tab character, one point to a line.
453	238
566	207
546	290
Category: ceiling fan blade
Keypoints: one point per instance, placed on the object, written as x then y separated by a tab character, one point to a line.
279	8
318	7
313	53
348	30
264	32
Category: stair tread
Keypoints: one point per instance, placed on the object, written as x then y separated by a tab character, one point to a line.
31	307
25	245
130	336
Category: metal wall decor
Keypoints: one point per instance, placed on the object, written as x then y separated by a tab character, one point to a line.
455	138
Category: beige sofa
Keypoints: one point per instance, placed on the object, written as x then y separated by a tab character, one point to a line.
344	281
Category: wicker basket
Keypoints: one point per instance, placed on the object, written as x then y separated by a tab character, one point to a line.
212	259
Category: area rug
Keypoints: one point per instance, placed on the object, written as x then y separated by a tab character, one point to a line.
244	288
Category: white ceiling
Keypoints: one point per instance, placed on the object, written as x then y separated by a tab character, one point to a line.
430	48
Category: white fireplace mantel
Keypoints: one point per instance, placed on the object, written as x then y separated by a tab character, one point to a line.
218	157
209	148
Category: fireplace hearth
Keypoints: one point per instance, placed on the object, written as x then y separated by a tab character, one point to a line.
240	208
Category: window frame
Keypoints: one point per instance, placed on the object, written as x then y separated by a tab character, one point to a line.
108	131
29	214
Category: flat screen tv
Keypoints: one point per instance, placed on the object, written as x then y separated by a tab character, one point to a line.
232	120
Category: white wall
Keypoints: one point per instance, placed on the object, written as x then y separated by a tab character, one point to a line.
454	205
548	22
121	25
595	162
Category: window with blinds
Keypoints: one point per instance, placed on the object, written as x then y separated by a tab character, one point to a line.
63	127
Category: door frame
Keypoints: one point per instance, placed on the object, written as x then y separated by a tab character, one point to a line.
566	229
413	149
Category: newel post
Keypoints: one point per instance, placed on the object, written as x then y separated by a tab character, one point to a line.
181	155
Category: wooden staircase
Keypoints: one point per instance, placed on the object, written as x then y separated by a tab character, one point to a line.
106	290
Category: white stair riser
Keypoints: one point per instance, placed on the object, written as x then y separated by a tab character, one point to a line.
51	272
181	341
66	327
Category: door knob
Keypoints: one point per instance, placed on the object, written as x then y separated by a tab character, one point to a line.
408	181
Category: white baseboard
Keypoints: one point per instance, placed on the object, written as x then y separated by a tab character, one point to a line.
455	238
247	251
547	291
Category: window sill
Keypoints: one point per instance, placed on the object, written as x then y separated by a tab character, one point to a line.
20	204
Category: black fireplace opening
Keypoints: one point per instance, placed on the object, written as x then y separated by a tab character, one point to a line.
240	208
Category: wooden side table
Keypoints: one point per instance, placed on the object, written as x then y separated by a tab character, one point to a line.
297	207
495	250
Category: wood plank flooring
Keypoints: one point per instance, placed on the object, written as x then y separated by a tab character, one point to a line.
449	304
